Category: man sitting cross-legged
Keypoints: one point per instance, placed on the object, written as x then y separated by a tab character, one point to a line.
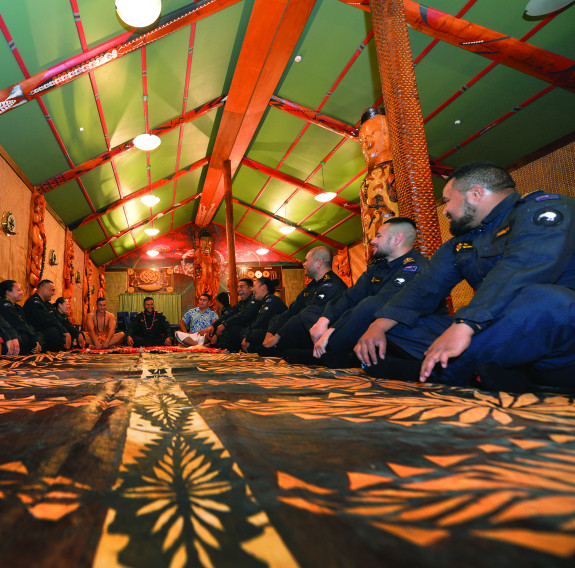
194	324
149	328
393	265
101	328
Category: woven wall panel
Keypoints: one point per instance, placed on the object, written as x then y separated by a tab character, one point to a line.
357	261
15	198
554	173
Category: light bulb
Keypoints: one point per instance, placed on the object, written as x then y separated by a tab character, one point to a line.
287	230
151	231
146	142
138	13
326	196
150	200
153	252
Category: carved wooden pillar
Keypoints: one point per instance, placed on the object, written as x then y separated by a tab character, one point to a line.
36	243
407	135
68	266
230	235
101	282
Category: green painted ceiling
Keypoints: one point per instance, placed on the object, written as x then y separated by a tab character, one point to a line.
81	120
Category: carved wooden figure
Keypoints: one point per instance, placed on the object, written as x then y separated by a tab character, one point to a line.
378	193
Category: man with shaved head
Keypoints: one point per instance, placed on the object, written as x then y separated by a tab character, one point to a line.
290	330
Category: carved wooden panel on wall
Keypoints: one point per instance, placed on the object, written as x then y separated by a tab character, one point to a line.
150	280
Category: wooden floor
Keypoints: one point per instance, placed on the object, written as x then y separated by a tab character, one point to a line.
191	458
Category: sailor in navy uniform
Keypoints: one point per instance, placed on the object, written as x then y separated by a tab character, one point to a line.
518	254
270	306
290	330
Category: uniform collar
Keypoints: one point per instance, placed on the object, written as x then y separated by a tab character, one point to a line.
502	207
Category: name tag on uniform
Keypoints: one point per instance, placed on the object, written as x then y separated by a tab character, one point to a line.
463	246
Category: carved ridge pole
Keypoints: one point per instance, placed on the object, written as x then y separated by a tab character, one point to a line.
407	135
230	234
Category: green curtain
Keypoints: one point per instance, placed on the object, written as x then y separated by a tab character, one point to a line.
169	304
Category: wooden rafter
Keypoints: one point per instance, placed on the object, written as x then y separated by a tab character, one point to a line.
348	205
524	57
140	192
313	234
271	36
66	71
104	158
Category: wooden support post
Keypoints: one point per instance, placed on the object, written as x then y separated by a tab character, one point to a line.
230	234
407	135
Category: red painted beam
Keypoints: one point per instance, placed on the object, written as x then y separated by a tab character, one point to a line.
104	158
271	36
143	222
351	207
140	192
529	59
313	234
66	71
314	117
498	121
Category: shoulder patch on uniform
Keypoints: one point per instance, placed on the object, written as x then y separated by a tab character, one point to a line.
547	196
400	281
408	260
503	231
463	246
7	304
268	300
321	296
547	217
412	268
327	285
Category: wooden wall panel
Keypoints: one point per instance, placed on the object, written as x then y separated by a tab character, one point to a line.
116	284
357	260
293	283
554	173
55	240
15	197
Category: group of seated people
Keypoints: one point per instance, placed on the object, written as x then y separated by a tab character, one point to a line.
517	332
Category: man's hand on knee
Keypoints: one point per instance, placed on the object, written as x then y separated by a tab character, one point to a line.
451	343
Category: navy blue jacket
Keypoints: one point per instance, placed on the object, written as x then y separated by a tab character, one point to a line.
522	241
382	278
311	302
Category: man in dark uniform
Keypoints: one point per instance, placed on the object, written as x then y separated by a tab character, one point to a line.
228	329
39	316
149	328
290	330
270	306
518	253
394	263
29	340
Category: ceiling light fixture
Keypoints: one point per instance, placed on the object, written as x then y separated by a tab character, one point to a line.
138	13
153	252
151	231
262	251
287	230
325	196
537	8
150	200
146	142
